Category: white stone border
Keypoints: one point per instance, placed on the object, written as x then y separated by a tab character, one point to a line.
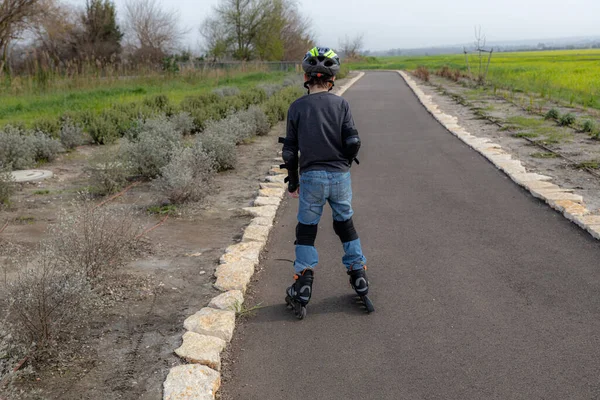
211	328
562	200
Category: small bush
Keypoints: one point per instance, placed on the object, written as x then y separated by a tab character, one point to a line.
589	126
183	123
45	147
6	186
108	174
187	176
253	96
48	302
253	121
48	126
191	103
344	71
422	73
552	114
294	80
567	119
121	121
263	127
226	91
71	135
276	106
103	131
221	149
269	88
95	241
236	126
16	148
151	150
159	103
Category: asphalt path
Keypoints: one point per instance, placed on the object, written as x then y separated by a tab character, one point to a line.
481	291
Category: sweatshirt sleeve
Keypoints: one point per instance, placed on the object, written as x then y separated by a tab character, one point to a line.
291	137
348	127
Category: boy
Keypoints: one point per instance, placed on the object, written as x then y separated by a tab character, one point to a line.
321	128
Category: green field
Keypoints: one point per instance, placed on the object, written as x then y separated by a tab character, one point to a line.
27	108
571	76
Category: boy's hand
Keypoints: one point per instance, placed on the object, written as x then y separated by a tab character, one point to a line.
295	194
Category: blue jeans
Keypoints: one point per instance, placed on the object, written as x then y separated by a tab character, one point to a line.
316	188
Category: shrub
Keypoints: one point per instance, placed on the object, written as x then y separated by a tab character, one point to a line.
552	114
135	111
269	88
108	174
49	126
121	121
567	119
183	123
236	126
294	80
45	148
71	135
253	96
6	186
95	241
589	126
191	103
16	149
422	73
344	71
253	121
151	150
276	106
48	302
102	131
263	127
159	103
187	176
226	91
221	149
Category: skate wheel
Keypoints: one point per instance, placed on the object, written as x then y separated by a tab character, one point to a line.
300	311
368	304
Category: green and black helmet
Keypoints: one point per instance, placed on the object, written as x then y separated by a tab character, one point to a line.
320	61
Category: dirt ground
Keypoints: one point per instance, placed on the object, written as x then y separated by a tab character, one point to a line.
509	124
130	347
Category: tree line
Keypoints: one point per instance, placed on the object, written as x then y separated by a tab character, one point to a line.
57	33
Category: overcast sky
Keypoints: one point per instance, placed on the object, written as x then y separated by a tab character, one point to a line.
423	23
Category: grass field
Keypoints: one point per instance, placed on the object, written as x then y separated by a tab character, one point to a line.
571	76
27	108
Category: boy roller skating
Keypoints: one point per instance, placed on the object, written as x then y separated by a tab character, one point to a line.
320	127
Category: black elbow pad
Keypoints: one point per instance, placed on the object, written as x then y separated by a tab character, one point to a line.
351	147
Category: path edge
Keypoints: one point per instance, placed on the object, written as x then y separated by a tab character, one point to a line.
570	205
210	329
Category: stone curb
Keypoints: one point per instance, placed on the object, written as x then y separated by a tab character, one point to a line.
570	205
210	329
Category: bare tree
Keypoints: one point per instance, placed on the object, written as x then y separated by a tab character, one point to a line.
54	28
480	42
151	30
351	47
243	18
296	34
217	42
13	17
265	29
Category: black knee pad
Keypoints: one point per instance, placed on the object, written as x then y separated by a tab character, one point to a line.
345	230
306	234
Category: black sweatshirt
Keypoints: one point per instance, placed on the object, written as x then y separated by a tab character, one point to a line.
316	124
